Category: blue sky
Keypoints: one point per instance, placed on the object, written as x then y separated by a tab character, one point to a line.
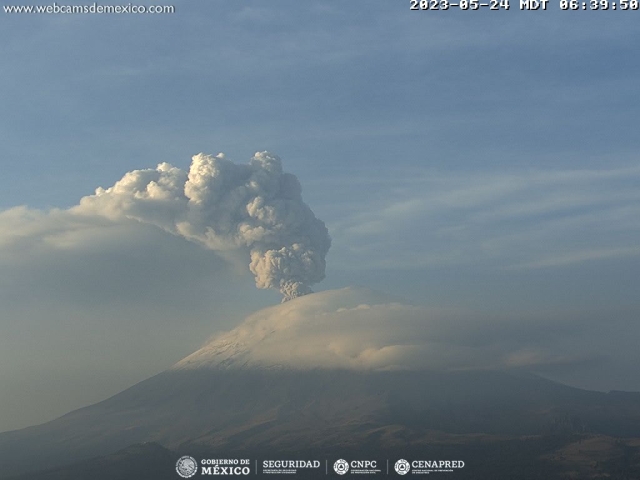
485	160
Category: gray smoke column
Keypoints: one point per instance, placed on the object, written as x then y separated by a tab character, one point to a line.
226	206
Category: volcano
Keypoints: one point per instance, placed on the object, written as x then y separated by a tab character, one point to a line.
226	401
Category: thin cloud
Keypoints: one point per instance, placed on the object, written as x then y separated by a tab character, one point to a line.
496	220
357	329
571	258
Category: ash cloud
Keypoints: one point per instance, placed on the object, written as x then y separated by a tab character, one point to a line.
225	206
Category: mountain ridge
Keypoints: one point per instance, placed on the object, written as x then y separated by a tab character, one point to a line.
284	411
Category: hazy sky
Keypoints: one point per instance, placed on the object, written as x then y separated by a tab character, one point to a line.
479	160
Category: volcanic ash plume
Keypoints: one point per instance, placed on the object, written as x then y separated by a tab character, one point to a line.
225	206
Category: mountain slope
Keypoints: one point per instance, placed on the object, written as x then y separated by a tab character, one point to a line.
342	370
285	411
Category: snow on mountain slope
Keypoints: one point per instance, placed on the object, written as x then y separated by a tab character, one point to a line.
359	329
